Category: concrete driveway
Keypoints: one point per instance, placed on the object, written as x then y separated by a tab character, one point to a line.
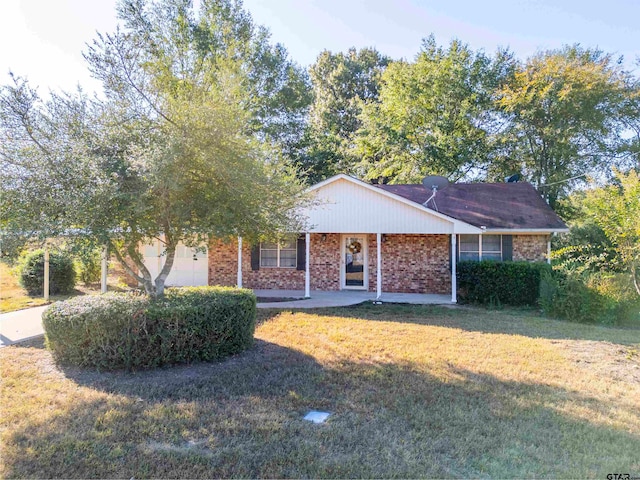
21	325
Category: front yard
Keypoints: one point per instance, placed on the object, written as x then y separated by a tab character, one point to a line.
413	391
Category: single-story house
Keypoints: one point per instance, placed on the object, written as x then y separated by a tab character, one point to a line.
381	238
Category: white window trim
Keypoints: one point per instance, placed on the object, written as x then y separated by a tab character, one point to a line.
480	247
279	247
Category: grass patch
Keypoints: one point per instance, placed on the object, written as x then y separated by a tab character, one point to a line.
414	391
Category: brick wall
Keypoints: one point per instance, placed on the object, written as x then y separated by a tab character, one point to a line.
223	269
410	264
530	248
415	264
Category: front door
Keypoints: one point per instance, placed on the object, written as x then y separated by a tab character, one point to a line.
354	274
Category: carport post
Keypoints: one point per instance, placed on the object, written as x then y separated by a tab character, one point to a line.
104	269
46	270
378	266
454	280
239	279
307	273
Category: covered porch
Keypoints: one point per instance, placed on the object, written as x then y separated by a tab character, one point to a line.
342	298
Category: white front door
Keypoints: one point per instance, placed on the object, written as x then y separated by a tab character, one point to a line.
190	267
354	272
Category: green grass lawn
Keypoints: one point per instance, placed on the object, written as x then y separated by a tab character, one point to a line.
414	392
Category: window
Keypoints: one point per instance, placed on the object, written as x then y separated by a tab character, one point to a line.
470	247
283	254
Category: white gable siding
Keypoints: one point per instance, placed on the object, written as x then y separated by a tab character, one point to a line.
348	207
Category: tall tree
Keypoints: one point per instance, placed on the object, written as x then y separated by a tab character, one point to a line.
563	108
434	116
342	84
175	152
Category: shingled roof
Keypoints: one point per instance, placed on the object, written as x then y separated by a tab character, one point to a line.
491	205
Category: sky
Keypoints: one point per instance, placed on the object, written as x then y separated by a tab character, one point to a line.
43	40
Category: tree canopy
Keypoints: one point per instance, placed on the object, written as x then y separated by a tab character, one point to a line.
185	144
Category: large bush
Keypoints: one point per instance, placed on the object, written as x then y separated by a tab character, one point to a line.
62	274
591	299
124	331
499	283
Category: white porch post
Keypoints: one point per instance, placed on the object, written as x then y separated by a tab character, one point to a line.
307	273
549	250
454	280
103	271
239	279
46	270
378	265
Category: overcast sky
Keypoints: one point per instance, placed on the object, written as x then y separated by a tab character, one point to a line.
44	39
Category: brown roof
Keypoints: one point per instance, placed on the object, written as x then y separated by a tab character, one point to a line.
492	205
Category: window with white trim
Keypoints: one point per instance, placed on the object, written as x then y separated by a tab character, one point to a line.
283	254
480	247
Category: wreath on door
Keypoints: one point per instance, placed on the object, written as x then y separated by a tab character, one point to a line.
355	247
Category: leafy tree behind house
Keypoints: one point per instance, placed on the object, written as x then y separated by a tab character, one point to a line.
435	115
342	84
563	109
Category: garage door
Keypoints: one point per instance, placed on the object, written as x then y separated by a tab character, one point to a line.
190	267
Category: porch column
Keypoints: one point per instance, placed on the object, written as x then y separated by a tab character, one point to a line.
307	273
549	250
46	270
454	280
239	280
378	265
103	269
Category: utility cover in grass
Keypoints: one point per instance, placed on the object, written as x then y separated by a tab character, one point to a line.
316	416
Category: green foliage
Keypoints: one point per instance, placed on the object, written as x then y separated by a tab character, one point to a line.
186	142
563	110
62	274
616	210
115	331
584	249
499	283
434	116
342	84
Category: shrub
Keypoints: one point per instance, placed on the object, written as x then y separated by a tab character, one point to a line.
62	275
88	267
124	331
592	299
499	283
570	298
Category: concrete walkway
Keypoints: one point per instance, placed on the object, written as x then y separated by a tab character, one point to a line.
344	298
24	324
21	325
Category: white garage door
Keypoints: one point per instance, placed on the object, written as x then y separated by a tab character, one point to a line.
190	267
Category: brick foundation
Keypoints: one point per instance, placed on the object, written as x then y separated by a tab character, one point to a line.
530	248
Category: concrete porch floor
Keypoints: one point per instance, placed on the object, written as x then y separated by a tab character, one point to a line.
345	298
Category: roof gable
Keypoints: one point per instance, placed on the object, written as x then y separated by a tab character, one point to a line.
348	205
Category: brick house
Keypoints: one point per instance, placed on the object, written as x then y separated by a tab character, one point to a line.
383	238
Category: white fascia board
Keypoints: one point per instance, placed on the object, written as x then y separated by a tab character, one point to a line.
458	225
528	231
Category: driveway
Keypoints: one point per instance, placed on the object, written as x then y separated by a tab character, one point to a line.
21	325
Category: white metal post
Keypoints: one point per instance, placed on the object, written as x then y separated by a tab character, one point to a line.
307	262
454	280
103	271
239	280
46	271
378	266
549	250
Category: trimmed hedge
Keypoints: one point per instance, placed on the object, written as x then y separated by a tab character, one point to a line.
116	331
62	274
500	283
